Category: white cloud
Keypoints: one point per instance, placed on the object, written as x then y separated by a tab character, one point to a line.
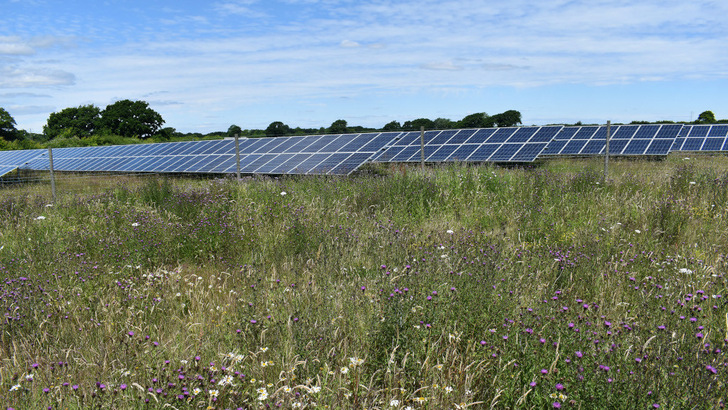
349	44
15	46
441	66
14	77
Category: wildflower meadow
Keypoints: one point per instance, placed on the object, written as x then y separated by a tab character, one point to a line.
398	288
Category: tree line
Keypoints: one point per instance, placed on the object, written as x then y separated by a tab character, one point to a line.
508	118
129	122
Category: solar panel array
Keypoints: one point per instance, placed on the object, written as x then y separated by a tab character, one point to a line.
317	154
648	139
508	144
12	160
342	154
702	138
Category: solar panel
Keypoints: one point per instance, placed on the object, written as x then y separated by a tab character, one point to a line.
707	138
342	154
6	169
647	139
507	144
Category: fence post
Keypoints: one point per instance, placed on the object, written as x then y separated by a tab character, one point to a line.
606	152
53	177
237	156
422	147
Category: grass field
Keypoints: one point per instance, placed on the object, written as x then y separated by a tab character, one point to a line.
458	287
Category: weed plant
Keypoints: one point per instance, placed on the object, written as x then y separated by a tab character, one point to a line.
460	286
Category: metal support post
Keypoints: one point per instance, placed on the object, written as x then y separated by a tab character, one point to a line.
606	152
237	156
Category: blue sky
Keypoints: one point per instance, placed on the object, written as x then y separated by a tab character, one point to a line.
207	65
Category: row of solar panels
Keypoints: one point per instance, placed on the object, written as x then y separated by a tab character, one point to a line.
343	154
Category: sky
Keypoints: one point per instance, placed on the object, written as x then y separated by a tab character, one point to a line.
207	65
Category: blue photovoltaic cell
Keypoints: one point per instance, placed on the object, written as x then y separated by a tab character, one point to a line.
442	153
505	152
306	166
461	136
718	131
585	133
357	142
712	144
224	163
529	152
617	146
463	152
327	166
443	137
407	138
554	147
255	163
406	154
677	145
429	136
281	147
429	150
289	166
388	154
646	131
699	131
522	134
636	147
274	163
593	147
480	136
659	146
483	152
669	131
545	134
573	147
377	143
500	136
350	164
6	169
321	143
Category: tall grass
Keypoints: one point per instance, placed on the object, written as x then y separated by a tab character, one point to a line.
463	286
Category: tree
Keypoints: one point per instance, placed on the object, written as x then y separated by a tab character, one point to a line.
706	117
234	130
415	125
509	118
79	122
131	119
7	126
477	120
444	124
392	126
165	134
338	127
277	129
